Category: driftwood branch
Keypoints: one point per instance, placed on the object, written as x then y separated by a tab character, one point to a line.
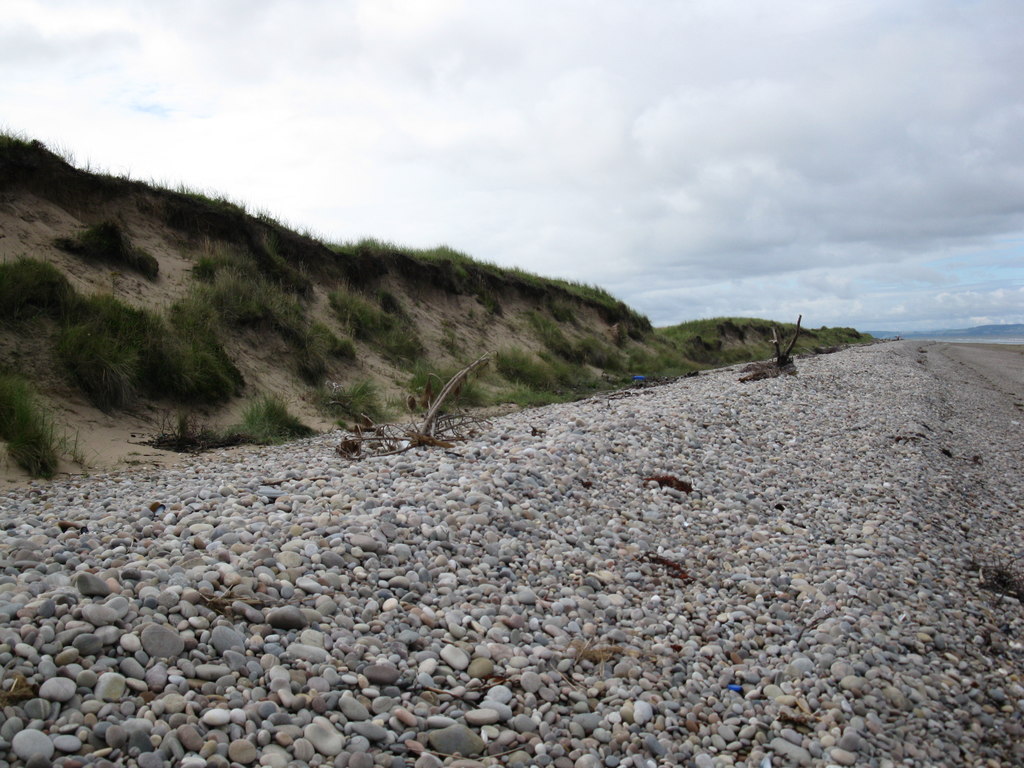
454	385
783	358
438	429
783	362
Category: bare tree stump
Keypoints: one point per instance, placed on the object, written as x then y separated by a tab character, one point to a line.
781	365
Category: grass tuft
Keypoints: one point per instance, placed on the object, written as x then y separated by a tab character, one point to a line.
520	367
424	375
106	242
386	325
27	428
31	288
351	402
114	352
315	349
248	300
267	421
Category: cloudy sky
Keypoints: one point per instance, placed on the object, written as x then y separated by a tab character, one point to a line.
857	161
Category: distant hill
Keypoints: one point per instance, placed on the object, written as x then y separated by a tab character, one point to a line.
978	331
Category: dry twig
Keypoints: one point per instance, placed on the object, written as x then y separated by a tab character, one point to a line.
438	429
783	362
18	689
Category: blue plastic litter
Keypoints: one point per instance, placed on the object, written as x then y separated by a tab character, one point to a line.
639	378
737	688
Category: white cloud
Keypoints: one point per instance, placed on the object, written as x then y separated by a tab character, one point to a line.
741	158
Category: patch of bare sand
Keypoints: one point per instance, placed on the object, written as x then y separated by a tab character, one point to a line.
93	442
997	367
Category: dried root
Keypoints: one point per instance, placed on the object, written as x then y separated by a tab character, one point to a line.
15	689
668	481
671	566
1002	578
782	364
440	430
222	603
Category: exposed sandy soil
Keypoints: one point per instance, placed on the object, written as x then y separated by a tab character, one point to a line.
451	327
999	367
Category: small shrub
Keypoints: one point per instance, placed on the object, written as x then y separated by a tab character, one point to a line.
394	334
529	397
520	367
362	319
29	288
595	352
114	352
551	336
244	299
200	370
489	302
267	421
352	402
106	242
195	370
571	376
469	395
185	433
315	349
389	303
562	311
104	366
401	345
450	341
27	428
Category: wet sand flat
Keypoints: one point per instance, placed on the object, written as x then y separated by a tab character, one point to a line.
1000	367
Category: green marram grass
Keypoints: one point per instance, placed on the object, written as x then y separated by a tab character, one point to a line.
115	352
472	276
522	368
30	288
470	395
382	322
107	243
316	348
267	421
27	428
353	401
727	340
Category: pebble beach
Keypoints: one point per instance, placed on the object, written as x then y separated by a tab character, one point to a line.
703	573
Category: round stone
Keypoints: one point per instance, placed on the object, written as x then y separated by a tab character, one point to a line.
322	734
642	712
242	751
482	716
456	739
382	674
455	657
110	686
352	708
88	644
360	760
152	760
216	717
480	668
31	743
842	756
224	638
161	641
57	689
67	743
288	617
91	585
530	681
99	615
